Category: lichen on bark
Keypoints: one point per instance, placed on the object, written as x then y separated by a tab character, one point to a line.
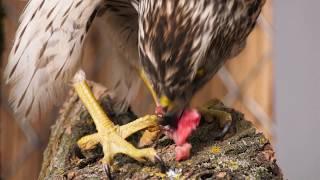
244	154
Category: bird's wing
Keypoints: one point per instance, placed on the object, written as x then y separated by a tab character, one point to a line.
120	22
47	52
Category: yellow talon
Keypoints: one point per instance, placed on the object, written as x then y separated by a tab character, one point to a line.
109	135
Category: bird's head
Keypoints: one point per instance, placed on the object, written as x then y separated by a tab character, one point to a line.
182	44
173	43
172	103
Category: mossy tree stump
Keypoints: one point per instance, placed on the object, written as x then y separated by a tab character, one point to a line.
246	154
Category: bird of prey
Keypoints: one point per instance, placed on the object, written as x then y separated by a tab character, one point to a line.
176	46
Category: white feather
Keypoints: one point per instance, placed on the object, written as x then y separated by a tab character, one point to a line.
119	38
46	53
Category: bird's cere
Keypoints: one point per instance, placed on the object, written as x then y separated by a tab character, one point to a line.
188	122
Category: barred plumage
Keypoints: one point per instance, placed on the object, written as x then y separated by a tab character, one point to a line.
181	44
184	43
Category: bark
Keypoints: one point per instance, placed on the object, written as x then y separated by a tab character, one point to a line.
243	154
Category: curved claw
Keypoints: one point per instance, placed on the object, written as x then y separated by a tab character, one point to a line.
224	131
163	167
107	170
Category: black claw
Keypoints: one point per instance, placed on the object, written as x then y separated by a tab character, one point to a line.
163	166
107	170
225	130
78	153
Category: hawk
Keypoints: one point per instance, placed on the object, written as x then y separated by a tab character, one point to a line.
176	46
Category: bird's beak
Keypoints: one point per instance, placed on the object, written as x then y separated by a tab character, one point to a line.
172	110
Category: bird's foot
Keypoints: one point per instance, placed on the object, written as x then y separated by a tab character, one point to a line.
110	136
113	141
214	110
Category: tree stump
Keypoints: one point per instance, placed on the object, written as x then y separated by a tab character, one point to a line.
244	154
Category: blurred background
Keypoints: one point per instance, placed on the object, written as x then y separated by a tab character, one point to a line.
246	83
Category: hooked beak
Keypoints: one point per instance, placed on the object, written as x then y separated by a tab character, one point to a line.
172	111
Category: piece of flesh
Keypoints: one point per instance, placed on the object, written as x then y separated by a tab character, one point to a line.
188	122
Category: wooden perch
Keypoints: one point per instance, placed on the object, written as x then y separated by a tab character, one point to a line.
244	155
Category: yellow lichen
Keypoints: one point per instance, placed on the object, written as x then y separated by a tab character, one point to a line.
233	165
160	175
215	150
263	140
152	172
